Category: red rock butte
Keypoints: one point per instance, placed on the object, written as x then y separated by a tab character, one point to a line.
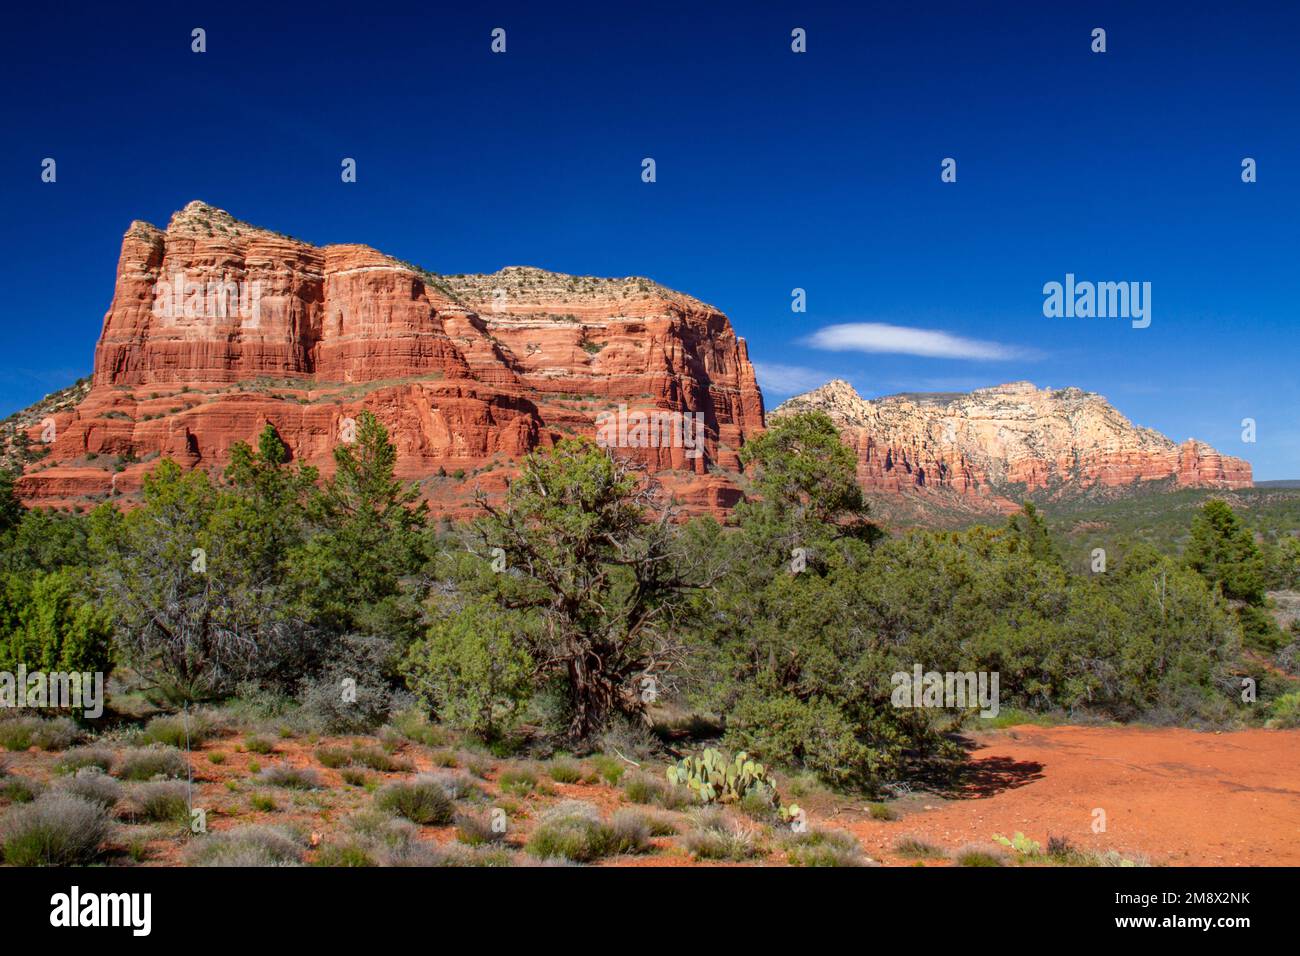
217	328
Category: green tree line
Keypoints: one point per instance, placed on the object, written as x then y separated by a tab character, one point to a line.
582	601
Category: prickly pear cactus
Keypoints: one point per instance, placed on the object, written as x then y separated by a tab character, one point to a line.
713	778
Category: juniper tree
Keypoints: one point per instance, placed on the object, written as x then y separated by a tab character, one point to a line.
596	577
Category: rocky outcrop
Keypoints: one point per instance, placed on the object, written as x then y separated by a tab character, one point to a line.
218	327
996	446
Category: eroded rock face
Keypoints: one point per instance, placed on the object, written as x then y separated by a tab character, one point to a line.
217	327
998	445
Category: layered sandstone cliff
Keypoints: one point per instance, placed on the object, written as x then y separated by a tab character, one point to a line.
218	327
998	445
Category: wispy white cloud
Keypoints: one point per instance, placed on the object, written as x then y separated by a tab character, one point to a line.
778	379
901	340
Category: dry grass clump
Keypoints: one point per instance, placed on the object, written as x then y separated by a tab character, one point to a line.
246	846
574	831
642	788
58	829
518	780
18	789
185	731
914	848
23	733
291	778
564	770
824	847
92	784
972	854
423	800
154	761
79	757
716	836
162	800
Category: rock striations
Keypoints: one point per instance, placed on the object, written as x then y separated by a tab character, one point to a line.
996	446
217	327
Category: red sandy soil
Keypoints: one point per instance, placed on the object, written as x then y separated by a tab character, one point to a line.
1175	797
1171	797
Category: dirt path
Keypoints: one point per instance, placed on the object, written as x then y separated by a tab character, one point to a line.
1176	797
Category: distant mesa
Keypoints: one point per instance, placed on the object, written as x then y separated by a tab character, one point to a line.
997	446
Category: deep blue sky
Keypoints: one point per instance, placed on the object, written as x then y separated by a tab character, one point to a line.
775	170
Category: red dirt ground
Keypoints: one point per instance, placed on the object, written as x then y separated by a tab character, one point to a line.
1175	797
1171	797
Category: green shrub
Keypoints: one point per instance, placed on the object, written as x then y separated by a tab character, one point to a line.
162	801
517	781
881	811
343	854
262	802
610	769
354	776
376	759
17	789
473	668
660	825
156	760
975	855
185	731
333	757
23	733
258	745
422	800
415	726
760	805
79	757
53	621
642	788
444	757
57	829
1285	711
562	770
574	831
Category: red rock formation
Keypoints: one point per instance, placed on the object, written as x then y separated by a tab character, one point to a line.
217	327
993	446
